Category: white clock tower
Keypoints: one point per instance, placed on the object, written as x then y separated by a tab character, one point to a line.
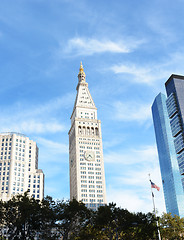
87	176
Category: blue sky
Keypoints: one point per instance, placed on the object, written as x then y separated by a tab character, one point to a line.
128	49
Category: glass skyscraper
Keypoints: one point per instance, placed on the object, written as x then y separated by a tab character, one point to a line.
168	118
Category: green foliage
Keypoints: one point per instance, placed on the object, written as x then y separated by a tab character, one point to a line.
110	222
120	223
21	217
72	217
26	218
1	218
172	228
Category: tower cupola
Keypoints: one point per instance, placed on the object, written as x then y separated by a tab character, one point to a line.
81	75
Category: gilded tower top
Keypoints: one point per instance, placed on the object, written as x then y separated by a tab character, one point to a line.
81	75
81	69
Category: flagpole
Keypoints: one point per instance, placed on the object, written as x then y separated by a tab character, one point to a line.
154	209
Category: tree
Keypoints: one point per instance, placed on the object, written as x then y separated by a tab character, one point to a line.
105	220
144	226
119	223
172	228
48	219
72	217
1	218
21	217
26	218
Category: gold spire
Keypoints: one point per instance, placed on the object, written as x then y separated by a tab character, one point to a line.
81	69
81	75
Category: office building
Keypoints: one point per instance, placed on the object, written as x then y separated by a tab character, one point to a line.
19	167
87	176
168	118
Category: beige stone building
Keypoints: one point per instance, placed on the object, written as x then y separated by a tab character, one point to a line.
87	176
19	167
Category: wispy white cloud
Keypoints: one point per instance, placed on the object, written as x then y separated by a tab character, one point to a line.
163	27
151	72
90	46
45	108
136	178
134	201
133	190
30	118
141	74
147	74
144	154
113	142
32	126
131	111
52	146
129	184
128	199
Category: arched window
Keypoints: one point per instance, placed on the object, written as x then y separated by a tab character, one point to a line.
88	131
79	130
96	131
84	130
92	131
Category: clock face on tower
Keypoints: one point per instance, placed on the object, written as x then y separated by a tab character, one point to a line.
89	155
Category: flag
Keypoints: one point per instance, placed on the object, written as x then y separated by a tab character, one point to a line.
153	185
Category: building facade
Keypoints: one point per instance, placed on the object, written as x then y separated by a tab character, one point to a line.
168	118
87	176
19	167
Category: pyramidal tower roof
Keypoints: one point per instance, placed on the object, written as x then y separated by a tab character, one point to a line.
83	97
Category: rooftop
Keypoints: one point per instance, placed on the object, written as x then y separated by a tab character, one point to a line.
174	76
11	133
